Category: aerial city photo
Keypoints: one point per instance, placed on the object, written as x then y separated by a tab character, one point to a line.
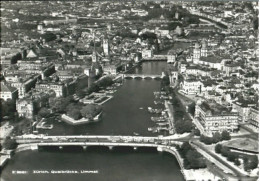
129	90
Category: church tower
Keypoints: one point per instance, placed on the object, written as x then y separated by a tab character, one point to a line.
204	49
94	56
196	53
106	45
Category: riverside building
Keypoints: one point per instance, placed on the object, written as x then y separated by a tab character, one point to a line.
211	117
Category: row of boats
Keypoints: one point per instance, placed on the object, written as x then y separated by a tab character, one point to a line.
161	121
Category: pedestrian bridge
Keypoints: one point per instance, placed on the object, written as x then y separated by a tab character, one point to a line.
143	76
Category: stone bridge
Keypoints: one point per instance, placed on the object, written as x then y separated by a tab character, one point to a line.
155	58
89	140
143	76
162	144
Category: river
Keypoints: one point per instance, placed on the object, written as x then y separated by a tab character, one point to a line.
125	114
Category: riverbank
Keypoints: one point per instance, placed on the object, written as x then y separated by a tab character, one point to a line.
169	109
189	174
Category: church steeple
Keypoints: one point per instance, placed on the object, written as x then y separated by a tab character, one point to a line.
94	54
106	45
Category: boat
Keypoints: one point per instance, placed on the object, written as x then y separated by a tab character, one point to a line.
162	124
155	131
48	126
141	108
97	116
136	134
43	125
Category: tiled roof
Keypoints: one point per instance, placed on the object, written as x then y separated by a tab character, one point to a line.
6	88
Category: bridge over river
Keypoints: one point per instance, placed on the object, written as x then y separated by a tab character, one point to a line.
143	76
91	140
163	144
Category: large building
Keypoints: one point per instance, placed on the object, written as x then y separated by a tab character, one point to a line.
8	92
173	74
199	51
147	53
22	82
25	107
171	56
211	117
253	118
191	86
57	87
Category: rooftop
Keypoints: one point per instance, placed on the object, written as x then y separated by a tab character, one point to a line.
212	108
6	88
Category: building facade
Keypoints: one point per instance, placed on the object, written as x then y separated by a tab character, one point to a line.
210	119
25	108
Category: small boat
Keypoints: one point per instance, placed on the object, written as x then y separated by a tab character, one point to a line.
96	118
155	131
136	134
141	108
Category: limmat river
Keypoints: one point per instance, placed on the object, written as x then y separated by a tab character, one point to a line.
125	114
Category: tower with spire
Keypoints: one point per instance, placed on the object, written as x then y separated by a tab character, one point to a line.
106	45
94	54
204	49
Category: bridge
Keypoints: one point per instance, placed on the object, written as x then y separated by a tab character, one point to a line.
163	144
155	58
34	141
143	76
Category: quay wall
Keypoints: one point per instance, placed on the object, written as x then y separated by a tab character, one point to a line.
172	150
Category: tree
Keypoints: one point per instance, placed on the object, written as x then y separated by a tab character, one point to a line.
218	148
93	88
196	132
74	113
195	159
105	82
80	93
237	162
73	105
231	156
16	57
216	137
225	135
49	37
205	139
9	143
165	82
60	104
182	126
224	151
90	110
250	163
7	109
184	148
191	108
44	112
